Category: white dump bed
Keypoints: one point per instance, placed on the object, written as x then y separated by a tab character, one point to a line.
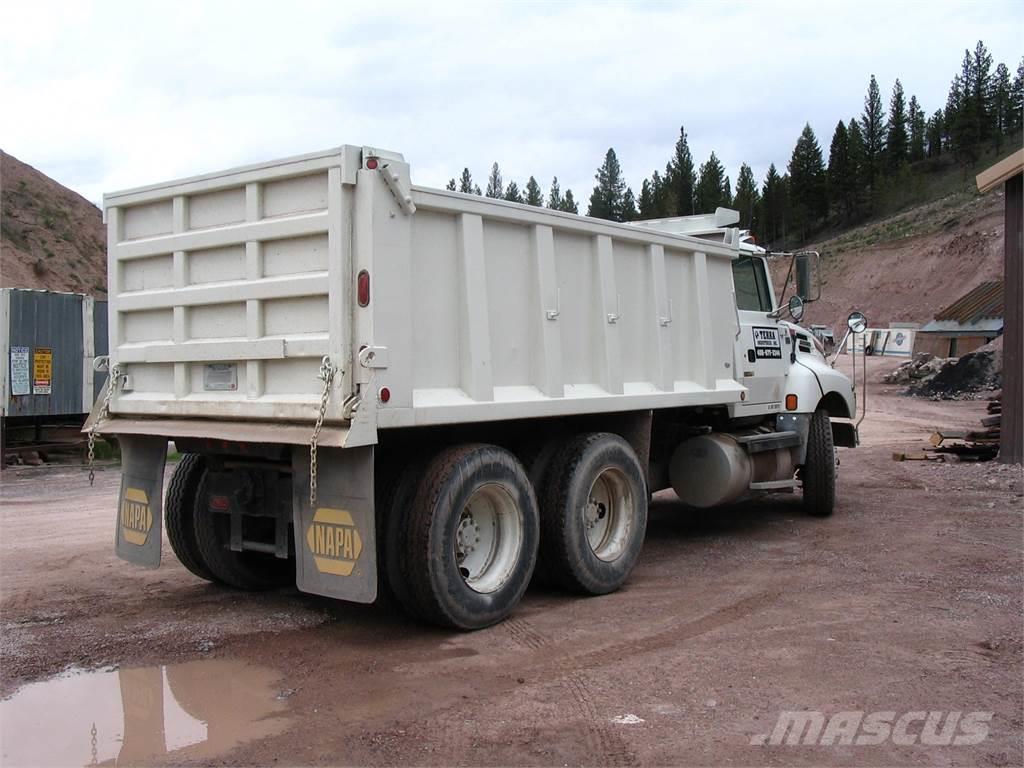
227	290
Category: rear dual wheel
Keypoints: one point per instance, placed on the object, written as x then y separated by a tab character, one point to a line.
200	538
461	549
593	514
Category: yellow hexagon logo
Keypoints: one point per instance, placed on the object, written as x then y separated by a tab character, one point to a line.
334	541
136	516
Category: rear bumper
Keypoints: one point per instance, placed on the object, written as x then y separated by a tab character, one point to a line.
287	433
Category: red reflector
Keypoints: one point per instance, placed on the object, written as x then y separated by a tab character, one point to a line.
384	394
220	503
371	163
791	402
363	288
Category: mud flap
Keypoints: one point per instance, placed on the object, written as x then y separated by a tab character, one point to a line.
335	544
140	505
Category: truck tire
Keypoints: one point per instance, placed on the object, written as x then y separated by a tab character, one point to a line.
179	514
593	514
252	571
393	500
818	474
469	543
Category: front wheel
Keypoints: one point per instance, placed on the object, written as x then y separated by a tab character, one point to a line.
818	473
469	540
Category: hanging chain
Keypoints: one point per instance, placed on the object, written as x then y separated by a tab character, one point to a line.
103	413
327	372
93	732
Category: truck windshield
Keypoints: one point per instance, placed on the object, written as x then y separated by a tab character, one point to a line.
751	281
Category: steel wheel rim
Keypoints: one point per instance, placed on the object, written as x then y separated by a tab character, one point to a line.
608	515
488	538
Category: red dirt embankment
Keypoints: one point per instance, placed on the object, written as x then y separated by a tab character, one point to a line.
908	267
50	237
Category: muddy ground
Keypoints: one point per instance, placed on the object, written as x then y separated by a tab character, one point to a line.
908	599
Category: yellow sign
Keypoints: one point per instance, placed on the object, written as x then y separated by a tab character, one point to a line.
42	371
136	516
334	541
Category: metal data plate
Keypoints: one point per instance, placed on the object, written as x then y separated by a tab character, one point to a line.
140	504
336	543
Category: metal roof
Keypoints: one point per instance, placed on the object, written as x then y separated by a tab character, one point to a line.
983	303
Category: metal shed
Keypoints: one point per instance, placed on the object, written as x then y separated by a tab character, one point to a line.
48	341
972	321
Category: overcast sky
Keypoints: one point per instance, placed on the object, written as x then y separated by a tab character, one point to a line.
105	96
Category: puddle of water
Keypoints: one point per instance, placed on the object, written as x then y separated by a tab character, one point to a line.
195	710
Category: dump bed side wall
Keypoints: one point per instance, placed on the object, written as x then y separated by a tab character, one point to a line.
494	311
227	290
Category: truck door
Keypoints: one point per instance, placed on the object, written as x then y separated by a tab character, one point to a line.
762	349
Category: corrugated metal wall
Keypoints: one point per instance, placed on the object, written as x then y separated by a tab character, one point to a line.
39	319
99	324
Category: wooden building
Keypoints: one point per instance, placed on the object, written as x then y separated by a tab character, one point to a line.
1010	173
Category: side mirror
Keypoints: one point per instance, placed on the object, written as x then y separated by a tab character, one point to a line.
856	322
808	284
796	308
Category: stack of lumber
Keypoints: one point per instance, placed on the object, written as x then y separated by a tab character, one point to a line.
964	445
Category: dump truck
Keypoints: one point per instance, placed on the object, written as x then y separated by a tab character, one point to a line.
387	391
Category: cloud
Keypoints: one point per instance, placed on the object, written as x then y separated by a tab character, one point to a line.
112	95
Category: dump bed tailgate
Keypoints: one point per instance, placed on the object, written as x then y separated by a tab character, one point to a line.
226	291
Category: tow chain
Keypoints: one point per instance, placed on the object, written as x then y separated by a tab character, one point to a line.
103	413
327	371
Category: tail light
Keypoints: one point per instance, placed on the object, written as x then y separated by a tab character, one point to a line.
363	288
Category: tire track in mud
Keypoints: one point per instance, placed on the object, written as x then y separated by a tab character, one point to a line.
611	748
523	633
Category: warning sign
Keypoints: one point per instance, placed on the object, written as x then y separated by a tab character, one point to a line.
42	371
19	371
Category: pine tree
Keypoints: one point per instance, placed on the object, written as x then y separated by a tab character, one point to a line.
856	188
629	212
915	115
807	188
1017	98
534	195
727	193
982	91
512	193
962	119
665	204
555	201
710	189
607	197
451	186
466	182
747	197
646	204
495	187
896	129
933	134
872	123
773	206
569	203
838	173
680	177
1000	100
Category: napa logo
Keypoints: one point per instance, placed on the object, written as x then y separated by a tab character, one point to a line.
334	541
136	516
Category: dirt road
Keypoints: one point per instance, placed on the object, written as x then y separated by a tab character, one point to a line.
907	600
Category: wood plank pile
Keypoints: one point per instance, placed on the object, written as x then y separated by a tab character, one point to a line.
964	445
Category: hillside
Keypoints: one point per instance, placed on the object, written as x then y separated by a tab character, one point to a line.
908	266
50	237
